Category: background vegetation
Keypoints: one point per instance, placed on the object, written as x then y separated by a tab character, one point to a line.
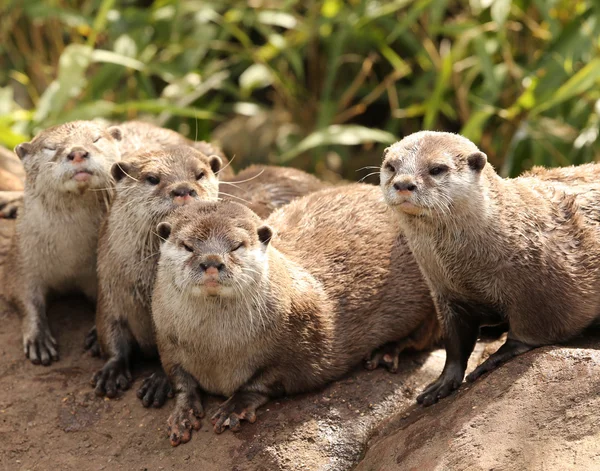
322	85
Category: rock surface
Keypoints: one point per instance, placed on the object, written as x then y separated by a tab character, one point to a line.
538	412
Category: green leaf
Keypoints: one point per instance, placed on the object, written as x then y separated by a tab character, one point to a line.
72	65
255	76
579	83
347	135
500	11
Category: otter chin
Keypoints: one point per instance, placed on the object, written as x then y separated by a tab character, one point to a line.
409	208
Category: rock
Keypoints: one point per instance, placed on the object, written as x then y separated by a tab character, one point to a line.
537	412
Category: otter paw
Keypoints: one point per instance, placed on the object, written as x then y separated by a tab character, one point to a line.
9	209
155	390
442	387
91	343
40	347
231	413
388	356
114	376
183	420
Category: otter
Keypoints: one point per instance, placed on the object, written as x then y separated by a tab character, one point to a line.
67	192
525	251
127	264
264	188
148	187
253	310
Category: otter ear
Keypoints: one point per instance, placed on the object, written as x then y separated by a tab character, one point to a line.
477	161
23	150
115	132
215	163
120	170
164	230
264	234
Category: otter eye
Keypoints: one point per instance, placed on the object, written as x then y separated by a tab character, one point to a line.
153	180
390	167
96	139
200	176
438	170
187	247
237	246
50	148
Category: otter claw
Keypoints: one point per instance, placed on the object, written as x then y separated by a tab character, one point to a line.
182	422
114	376
41	348
155	390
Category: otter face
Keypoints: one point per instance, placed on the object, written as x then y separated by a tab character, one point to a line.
71	157
156	182
430	173
215	249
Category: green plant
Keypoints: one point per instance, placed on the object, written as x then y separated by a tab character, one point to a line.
320	85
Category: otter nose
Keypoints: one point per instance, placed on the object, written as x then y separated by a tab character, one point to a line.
406	184
78	155
183	191
212	264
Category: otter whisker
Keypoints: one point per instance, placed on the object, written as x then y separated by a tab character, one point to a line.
368	175
369	167
234	196
224	167
248	179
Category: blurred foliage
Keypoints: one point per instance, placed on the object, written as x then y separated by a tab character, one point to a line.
319	85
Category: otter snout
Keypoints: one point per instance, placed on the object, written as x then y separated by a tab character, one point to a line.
212	264
405	184
183	193
78	155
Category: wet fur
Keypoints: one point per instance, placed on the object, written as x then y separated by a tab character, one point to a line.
523	250
302	310
54	245
266	187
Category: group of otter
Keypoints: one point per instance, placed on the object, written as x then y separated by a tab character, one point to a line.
271	282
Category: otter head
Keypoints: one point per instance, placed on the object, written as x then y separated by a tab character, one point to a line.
157	181
431	173
71	157
215	249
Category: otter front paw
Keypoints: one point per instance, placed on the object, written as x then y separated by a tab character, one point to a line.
448	382
8	210
388	356
240	406
155	390
114	376
40	347
185	418
91	343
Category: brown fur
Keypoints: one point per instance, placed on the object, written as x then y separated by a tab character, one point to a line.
337	286
128	248
54	246
585	173
137	135
129	265
523	250
264	188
